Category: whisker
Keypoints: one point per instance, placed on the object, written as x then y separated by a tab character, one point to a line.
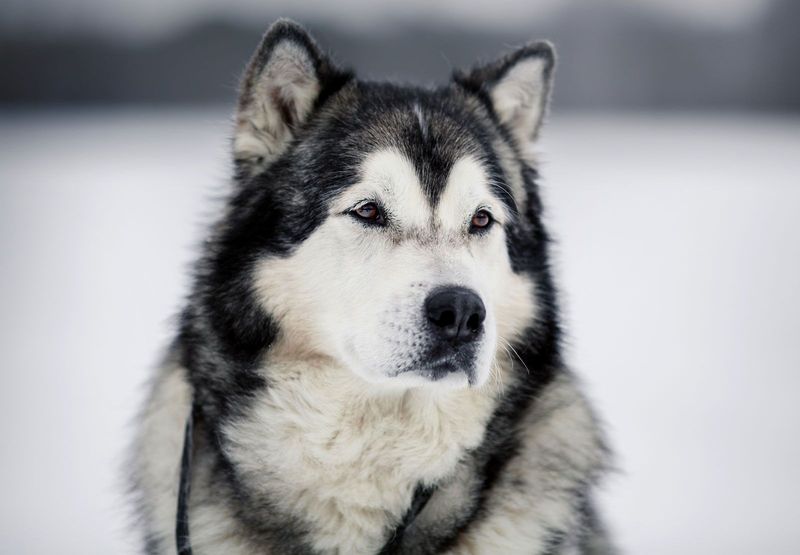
513	350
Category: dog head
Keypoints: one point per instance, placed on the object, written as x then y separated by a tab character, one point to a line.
393	229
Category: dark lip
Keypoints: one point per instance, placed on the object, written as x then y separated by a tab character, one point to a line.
448	365
440	370
444	367
447	355
437	367
441	361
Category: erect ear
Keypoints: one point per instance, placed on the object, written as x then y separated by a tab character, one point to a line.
285	80
517	87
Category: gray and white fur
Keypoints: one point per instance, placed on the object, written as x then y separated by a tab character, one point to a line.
372	317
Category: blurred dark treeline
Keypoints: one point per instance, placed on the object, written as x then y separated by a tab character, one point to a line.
611	57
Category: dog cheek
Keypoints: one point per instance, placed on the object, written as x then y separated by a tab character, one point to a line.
511	296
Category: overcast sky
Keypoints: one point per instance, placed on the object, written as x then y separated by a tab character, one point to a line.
154	17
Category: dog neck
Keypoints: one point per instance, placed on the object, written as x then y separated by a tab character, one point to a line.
344	457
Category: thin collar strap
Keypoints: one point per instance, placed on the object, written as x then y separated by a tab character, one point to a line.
182	539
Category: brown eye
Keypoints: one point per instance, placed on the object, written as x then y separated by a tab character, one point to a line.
369	213
481	220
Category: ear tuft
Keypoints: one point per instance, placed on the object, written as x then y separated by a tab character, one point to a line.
286	78
517	87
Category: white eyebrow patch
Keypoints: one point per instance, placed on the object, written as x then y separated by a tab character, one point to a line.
467	189
389	177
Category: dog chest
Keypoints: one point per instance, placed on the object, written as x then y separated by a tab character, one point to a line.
347	462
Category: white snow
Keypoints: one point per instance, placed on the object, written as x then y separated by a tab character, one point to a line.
679	259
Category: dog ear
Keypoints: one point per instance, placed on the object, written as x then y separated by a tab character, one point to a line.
286	79
517	87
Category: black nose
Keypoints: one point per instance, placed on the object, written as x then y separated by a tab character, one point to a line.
457	313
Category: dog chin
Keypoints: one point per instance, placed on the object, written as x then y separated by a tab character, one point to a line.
446	373
428	379
438	376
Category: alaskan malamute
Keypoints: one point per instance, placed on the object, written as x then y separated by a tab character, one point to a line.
369	360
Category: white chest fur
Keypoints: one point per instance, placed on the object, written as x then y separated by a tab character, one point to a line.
345	459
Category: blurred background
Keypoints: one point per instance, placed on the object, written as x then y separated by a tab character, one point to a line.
622	54
671	167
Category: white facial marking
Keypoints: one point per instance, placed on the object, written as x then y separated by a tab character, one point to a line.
466	191
388	177
357	293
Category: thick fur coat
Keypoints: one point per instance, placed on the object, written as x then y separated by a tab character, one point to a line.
338	408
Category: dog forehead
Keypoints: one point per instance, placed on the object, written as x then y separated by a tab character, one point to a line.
392	177
466	189
423	154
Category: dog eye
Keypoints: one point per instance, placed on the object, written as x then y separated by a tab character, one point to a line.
480	221
369	213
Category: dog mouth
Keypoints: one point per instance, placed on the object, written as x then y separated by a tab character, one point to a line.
448	369
444	366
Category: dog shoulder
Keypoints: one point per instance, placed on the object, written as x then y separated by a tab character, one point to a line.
543	496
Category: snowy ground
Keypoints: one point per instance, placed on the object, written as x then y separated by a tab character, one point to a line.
679	258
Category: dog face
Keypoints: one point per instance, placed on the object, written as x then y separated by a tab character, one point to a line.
390	229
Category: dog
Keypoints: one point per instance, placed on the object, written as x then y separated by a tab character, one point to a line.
369	360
